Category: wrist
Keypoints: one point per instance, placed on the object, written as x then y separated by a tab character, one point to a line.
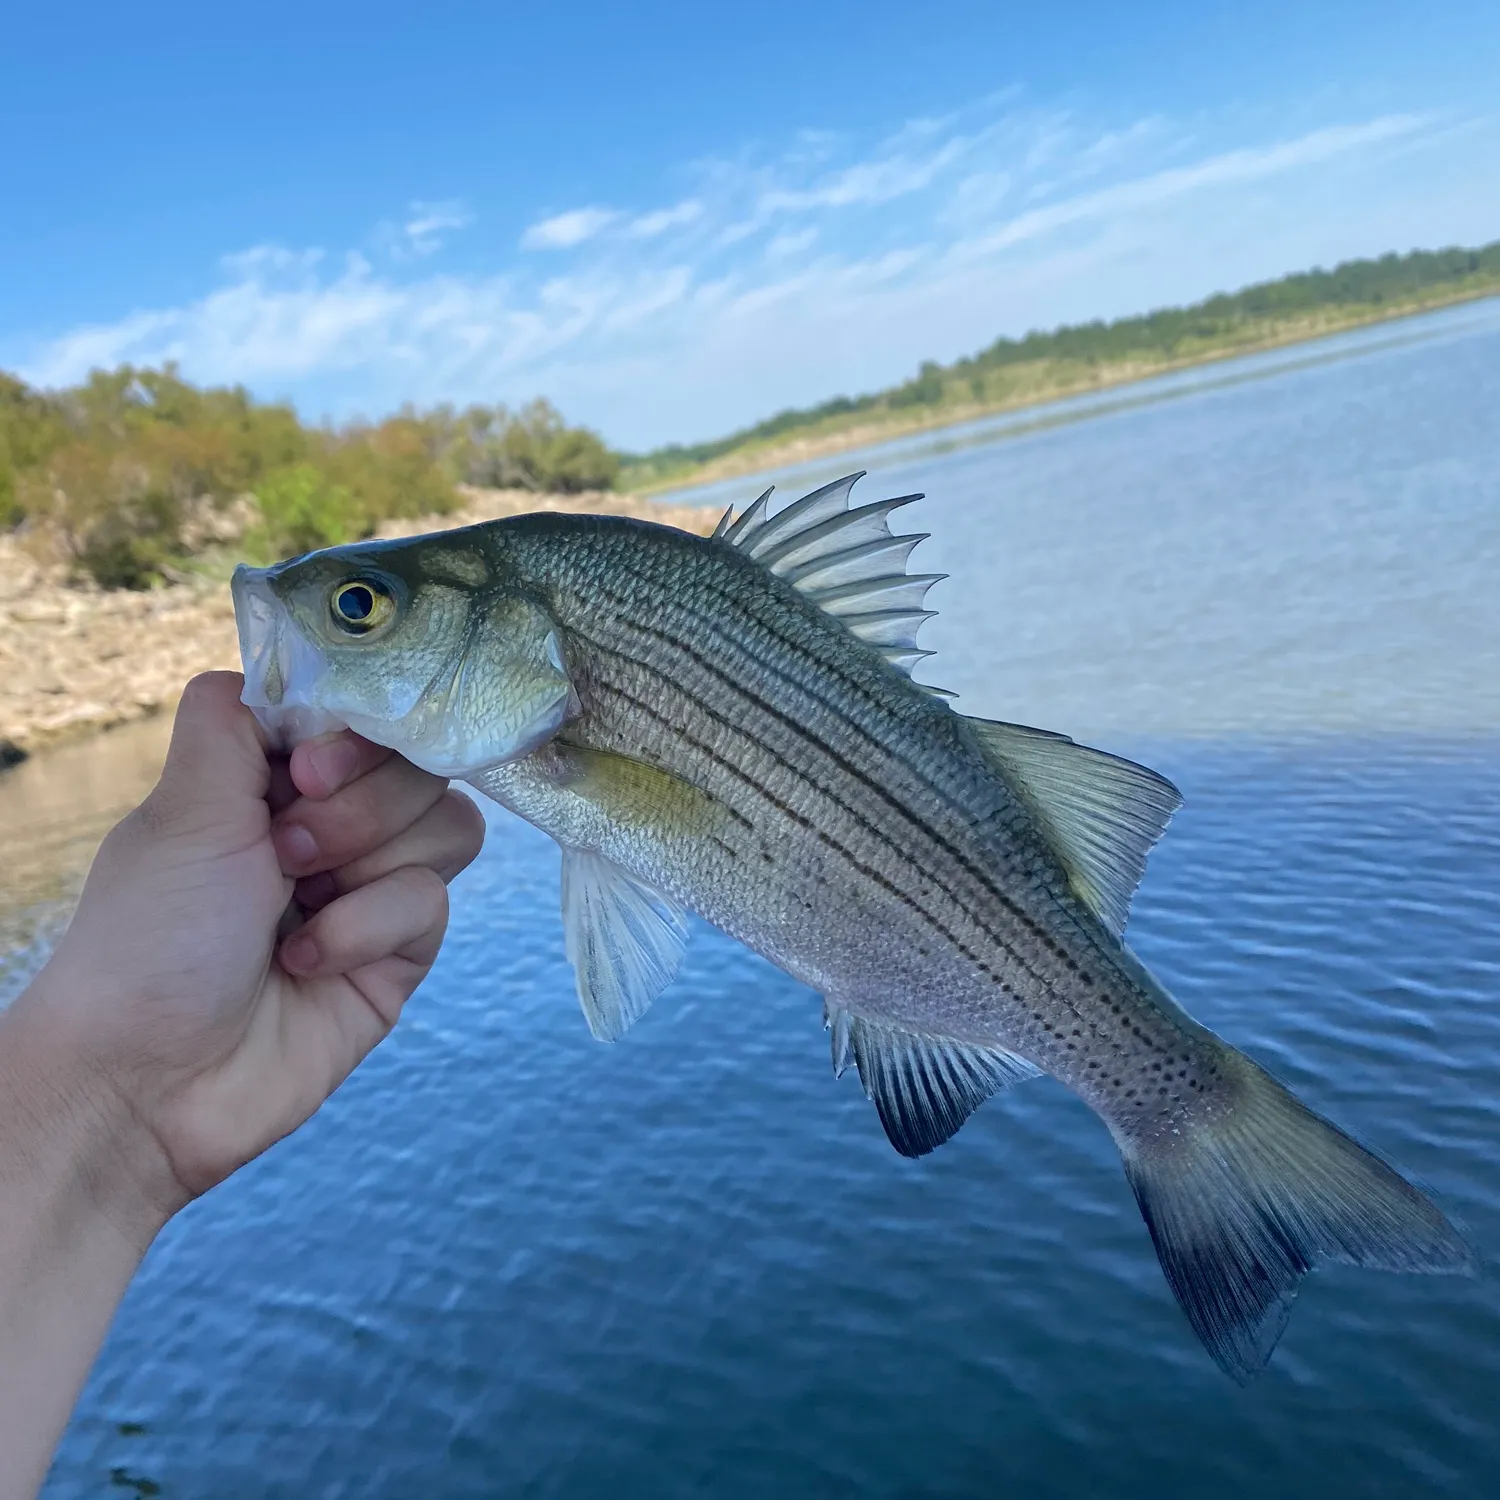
70	1145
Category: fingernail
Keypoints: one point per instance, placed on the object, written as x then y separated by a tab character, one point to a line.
296	848
334	761
299	954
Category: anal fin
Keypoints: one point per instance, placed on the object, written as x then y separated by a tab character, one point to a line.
923	1087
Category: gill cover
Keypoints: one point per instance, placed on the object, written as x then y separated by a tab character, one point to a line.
455	680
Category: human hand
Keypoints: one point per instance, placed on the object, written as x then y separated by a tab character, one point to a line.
189	1018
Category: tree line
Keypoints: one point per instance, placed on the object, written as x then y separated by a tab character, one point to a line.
126	471
1006	368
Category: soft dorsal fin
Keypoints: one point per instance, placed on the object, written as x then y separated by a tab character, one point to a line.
623	939
846	561
923	1087
1101	814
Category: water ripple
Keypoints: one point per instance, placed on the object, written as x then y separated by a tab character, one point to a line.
505	1259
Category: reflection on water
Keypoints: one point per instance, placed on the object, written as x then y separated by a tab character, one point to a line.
54	809
505	1260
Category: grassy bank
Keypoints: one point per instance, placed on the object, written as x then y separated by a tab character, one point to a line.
1012	373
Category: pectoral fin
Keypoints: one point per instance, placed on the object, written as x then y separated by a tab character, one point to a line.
923	1087
624	940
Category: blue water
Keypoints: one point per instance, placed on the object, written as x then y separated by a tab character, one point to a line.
505	1260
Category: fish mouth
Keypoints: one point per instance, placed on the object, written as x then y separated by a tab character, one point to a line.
282	667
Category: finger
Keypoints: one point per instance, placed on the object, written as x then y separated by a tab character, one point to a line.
445	840
216	773
356	963
321	766
314	835
402	916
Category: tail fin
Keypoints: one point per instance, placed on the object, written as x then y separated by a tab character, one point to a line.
1242	1204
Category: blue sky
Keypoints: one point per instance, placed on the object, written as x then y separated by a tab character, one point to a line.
673	219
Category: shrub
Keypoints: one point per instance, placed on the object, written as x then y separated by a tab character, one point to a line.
113	514
302	509
390	470
574	459
533	449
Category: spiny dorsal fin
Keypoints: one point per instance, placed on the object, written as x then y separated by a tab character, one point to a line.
623	939
923	1087
1101	814
846	561
749	519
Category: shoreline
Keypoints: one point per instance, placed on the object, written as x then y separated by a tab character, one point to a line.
76	660
781	453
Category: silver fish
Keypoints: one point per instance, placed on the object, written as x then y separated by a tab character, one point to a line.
728	726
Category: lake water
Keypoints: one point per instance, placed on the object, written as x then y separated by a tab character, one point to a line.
506	1260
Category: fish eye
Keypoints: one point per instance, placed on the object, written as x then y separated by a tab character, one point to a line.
360	605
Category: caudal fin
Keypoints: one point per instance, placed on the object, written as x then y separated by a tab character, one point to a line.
1243	1203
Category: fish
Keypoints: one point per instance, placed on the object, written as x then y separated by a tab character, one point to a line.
728	726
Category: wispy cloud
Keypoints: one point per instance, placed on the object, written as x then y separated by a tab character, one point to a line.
564	231
1224	170
649	225
826	264
422	231
427	228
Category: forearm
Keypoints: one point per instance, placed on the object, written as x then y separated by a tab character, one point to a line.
72	1232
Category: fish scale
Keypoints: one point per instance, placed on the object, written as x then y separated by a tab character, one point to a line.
891	832
728	726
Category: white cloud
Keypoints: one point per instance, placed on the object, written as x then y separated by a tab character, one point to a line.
880	180
648	226
790	242
1232	167
563	231
787	278
427	227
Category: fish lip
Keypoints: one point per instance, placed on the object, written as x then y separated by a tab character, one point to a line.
257	619
280	664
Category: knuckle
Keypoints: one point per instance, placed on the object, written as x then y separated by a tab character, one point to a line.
150	819
467	823
345	824
429	895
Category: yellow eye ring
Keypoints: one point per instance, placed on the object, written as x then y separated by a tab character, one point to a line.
360	605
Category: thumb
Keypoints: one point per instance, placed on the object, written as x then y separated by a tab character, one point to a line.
216	768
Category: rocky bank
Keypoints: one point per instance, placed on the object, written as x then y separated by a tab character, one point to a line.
75	658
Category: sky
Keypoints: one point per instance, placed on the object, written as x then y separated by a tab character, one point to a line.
672	220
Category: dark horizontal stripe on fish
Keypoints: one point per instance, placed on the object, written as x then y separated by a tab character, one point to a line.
935	921
826	839
713	624
974	871
850	768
